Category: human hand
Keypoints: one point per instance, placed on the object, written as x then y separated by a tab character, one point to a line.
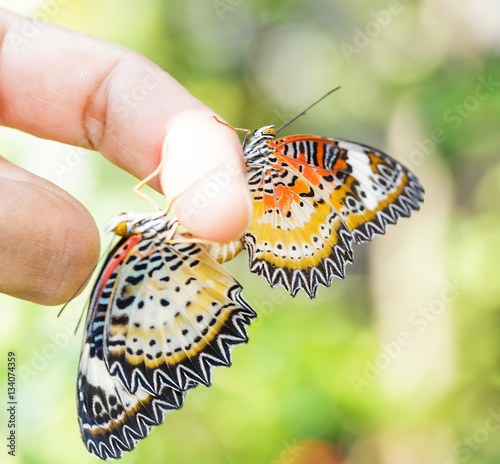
64	86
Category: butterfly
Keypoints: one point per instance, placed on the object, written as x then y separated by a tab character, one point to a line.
313	198
163	313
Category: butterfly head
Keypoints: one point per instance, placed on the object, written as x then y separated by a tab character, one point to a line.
259	138
146	224
266	132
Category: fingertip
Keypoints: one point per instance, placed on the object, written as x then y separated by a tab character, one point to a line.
67	259
204	177
215	213
50	243
83	250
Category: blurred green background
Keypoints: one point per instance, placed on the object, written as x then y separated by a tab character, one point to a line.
399	362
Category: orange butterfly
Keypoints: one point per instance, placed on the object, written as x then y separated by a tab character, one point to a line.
313	197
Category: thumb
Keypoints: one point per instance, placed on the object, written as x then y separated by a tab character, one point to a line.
204	176
49	242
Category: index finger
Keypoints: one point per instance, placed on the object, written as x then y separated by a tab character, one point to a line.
61	85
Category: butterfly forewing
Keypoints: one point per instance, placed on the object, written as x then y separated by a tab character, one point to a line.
163	314
313	197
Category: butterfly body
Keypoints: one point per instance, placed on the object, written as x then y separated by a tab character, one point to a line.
313	198
162	315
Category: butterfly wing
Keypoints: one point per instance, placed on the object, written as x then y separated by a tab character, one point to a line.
317	196
162	316
177	315
296	238
111	418
367	187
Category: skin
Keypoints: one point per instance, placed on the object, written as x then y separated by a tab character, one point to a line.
61	85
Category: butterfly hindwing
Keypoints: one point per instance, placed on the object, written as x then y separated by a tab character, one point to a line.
177	315
296	238
112	420
313	197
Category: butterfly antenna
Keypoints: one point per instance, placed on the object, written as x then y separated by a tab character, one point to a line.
308	108
86	279
76	292
87	302
79	322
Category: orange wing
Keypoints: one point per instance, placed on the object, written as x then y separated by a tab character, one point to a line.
313	197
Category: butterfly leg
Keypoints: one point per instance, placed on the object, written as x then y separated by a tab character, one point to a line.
238	129
145	181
